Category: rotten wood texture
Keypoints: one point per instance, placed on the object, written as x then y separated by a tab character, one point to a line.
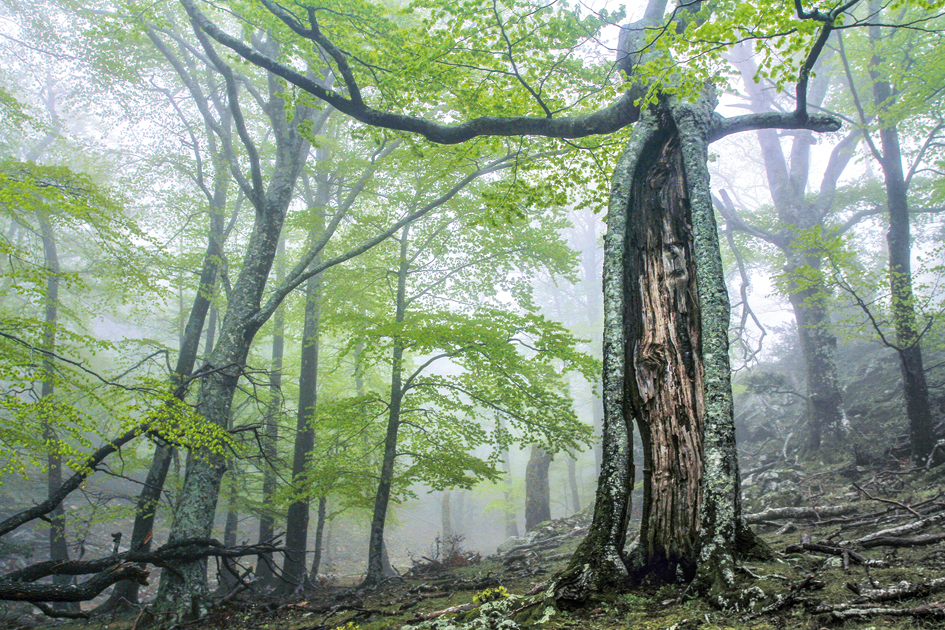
665	379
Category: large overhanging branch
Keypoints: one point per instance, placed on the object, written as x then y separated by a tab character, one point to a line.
621	113
605	121
772	120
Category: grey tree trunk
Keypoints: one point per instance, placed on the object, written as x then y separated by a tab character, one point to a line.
182	594
293	569
509	512
267	519
58	547
446	517
537	489
319	535
898	239
297	517
376	563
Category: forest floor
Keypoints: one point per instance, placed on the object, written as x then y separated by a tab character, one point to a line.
828	571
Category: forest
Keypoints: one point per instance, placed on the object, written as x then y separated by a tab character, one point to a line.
472	315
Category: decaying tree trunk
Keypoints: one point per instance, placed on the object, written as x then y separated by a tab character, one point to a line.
666	367
662	345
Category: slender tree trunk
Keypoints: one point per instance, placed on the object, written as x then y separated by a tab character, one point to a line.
267	519
446	517
572	482
319	534
58	547
297	517
375	569
510	512
124	596
230	532
537	489
597	565
293	570
182	594
899	241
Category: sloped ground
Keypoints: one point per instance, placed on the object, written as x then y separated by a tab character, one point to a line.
858	548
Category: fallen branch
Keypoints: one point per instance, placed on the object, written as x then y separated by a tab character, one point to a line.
909	528
925	611
446	611
33	593
72	483
833	551
903	590
887	501
181	550
799	512
895	541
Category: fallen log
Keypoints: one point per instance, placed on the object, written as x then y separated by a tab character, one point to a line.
895	541
30	592
833	551
446	611
908	528
934	610
903	590
799	512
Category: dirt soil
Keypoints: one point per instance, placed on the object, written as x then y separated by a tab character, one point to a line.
827	572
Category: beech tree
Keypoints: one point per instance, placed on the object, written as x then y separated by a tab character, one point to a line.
674	121
798	213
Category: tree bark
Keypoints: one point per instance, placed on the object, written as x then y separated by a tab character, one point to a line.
537	489
375	570
898	239
510	511
597	565
58	547
124	596
267	518
663	346
182	594
573	485
297	517
319	535
446	517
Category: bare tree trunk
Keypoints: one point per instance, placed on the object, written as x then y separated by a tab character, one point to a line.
124	596
572	481
293	570
267	519
376	563
509	511
898	238
58	547
297	517
537	489
319	534
446	517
